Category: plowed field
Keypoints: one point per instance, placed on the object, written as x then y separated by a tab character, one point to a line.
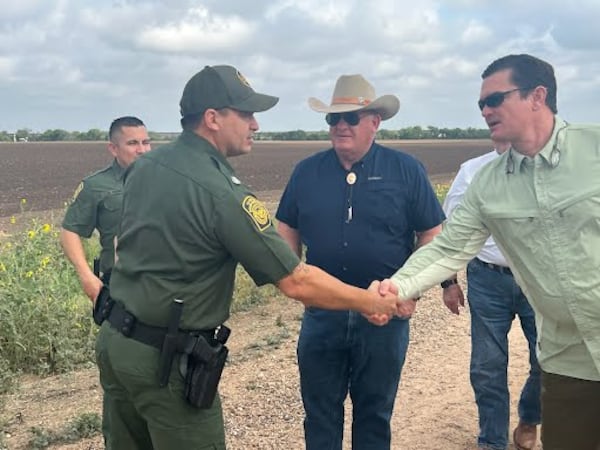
47	173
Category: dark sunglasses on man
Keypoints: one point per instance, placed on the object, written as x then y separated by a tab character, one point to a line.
495	99
351	118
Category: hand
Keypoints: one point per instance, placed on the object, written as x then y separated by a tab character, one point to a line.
406	308
381	318
386	286
453	297
91	285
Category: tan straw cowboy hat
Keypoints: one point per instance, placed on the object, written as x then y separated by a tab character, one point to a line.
354	93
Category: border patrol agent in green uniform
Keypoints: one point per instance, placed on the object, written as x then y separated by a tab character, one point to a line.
187	222
96	205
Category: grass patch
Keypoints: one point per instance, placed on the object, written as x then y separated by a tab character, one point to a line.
85	426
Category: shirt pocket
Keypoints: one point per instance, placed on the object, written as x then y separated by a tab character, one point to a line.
519	227
110	212
581	213
113	201
386	206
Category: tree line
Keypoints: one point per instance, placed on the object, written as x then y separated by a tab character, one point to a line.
414	132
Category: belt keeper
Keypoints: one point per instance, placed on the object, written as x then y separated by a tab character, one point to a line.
127	326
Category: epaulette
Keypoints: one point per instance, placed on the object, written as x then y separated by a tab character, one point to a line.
98	172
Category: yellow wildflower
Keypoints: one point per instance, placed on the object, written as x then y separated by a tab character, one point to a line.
2	267
13	219
23	201
46	228
45	261
29	274
31	234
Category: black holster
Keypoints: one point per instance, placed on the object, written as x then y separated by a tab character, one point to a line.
103	303
205	363
102	306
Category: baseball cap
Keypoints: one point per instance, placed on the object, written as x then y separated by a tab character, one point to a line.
222	87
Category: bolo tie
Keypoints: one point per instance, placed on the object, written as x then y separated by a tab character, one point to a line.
350	180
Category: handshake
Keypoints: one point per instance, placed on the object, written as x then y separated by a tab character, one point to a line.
388	304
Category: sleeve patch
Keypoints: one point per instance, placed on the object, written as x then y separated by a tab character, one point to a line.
257	212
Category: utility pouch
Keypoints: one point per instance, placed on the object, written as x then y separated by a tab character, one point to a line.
202	377
102	306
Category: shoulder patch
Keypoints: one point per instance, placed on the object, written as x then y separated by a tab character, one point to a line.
77	191
257	212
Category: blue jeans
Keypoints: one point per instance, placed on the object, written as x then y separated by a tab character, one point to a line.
341	352
494	300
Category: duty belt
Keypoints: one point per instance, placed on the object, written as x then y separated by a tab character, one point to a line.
128	325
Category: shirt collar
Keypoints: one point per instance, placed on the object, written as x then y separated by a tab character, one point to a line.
118	170
548	151
365	160
192	140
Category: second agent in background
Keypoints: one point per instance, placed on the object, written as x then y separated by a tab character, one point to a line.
358	207
96	205
495	299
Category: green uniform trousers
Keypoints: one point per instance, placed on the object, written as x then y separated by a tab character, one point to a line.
570	413
143	416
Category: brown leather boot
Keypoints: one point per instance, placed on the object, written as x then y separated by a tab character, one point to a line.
525	436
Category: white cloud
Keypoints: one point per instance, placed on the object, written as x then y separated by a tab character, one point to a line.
329	13
475	33
200	31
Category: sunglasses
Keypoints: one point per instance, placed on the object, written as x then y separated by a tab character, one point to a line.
351	118
495	99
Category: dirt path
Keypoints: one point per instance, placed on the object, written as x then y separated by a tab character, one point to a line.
434	408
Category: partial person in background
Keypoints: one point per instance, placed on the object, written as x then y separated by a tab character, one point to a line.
360	209
494	300
541	202
96	204
187	223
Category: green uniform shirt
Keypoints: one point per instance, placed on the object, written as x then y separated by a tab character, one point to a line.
97	205
544	213
187	221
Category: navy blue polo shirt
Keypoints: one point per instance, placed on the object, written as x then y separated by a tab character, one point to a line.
363	231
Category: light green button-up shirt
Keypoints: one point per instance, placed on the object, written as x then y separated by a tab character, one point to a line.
544	213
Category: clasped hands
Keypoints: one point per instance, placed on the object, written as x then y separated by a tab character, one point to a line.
388	305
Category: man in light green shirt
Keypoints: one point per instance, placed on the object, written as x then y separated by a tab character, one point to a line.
541	202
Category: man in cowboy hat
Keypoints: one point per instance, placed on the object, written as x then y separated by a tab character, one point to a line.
358	208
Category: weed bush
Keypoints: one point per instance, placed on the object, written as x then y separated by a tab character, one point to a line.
45	323
441	190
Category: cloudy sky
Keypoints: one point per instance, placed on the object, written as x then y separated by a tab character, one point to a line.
76	64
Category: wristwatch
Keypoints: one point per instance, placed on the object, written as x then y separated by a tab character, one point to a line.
448	283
